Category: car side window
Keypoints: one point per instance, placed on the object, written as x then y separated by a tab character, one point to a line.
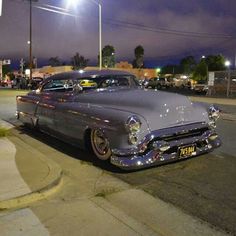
58	86
114	81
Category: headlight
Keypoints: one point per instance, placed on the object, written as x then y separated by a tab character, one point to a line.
133	126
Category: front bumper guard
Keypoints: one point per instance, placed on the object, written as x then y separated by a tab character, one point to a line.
131	159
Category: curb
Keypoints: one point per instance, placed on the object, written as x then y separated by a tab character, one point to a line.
229	117
43	188
25	200
211	100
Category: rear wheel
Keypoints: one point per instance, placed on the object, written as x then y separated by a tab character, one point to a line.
100	144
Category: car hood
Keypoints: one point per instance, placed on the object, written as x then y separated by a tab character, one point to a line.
159	109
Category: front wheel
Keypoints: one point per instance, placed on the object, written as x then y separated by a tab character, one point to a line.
100	145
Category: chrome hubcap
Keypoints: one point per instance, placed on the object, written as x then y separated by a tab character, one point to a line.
100	142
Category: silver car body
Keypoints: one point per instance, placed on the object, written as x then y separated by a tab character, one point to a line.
168	121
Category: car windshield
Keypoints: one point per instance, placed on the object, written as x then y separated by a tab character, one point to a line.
93	82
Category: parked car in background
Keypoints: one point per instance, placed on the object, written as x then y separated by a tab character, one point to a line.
6	83
158	83
118	120
34	84
200	86
87	84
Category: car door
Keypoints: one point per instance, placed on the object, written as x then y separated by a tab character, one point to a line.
53	95
27	106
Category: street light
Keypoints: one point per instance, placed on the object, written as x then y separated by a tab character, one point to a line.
210	84
227	64
98	3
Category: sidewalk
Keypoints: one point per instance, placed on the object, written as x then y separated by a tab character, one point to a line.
226	114
27	175
220	101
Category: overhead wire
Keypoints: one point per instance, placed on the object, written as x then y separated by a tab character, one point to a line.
137	26
141	27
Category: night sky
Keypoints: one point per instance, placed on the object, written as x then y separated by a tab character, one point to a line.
167	29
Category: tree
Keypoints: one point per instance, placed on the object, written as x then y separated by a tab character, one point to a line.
108	56
188	64
139	53
171	69
215	62
200	72
209	63
54	61
6	69
78	62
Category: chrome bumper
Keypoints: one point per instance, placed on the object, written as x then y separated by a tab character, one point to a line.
147	154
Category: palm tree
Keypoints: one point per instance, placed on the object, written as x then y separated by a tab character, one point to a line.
78	62
54	61
139	53
108	56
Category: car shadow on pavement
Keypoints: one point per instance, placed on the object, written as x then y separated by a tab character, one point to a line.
70	150
79	153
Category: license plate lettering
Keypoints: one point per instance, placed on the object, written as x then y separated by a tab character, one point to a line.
187	151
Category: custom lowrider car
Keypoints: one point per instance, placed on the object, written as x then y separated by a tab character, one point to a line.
119	120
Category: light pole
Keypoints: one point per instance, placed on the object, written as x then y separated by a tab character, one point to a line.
227	64
203	57
98	3
100	35
207	76
30	41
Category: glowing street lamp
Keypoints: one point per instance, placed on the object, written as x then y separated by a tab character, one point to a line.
227	64
158	70
73	3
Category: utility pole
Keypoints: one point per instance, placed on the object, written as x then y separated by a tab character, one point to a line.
235	61
30	38
22	64
30	41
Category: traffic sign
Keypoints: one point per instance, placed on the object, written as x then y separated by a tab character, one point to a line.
6	62
211	78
